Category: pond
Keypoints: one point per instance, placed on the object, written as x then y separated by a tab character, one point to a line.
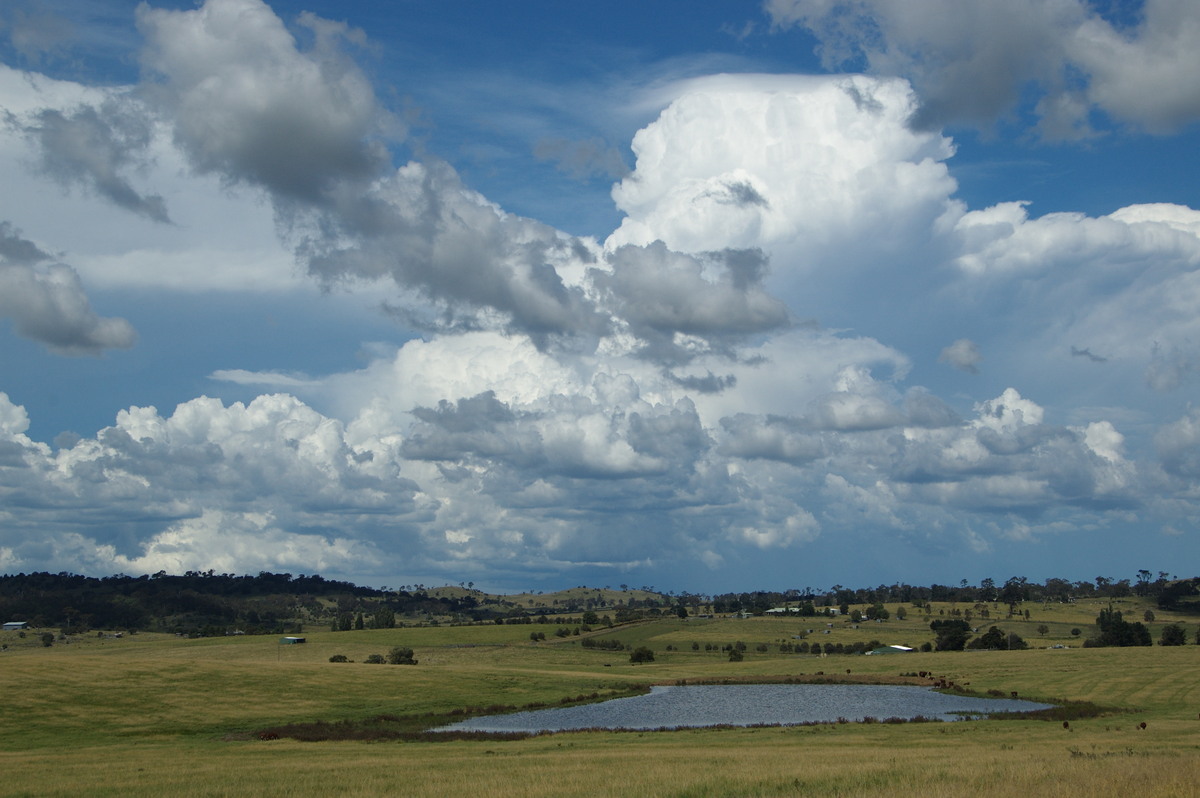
748	705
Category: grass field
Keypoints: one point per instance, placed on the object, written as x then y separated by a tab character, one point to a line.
158	715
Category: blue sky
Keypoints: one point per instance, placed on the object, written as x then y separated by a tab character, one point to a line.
705	296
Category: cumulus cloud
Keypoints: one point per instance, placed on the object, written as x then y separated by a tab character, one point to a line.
46	302
273	474
242	543
480	266
962	354
662	295
1008	459
248	104
971	62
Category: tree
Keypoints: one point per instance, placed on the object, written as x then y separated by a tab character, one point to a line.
374	659
1148	616
339	658
1013	592
1172	635
951	634
877	612
641	654
1042	629
735	655
991	640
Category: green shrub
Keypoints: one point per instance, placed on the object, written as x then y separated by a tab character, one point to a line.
339	658
401	656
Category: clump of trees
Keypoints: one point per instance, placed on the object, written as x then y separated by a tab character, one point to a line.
1114	630
606	644
397	656
952	634
995	639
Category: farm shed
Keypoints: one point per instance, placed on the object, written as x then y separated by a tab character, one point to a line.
16	626
291	641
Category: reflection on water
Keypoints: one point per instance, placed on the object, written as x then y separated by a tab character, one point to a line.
748	705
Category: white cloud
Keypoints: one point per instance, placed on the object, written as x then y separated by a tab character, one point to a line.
1128	283
242	543
791	164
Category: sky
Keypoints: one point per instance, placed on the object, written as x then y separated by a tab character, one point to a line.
701	296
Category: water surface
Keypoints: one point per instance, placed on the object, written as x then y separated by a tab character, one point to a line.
748	705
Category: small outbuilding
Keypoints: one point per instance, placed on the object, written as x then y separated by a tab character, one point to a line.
892	650
291	641
16	626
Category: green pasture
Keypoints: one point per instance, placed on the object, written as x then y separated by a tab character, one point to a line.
159	715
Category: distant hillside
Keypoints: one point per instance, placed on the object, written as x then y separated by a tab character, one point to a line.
215	604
